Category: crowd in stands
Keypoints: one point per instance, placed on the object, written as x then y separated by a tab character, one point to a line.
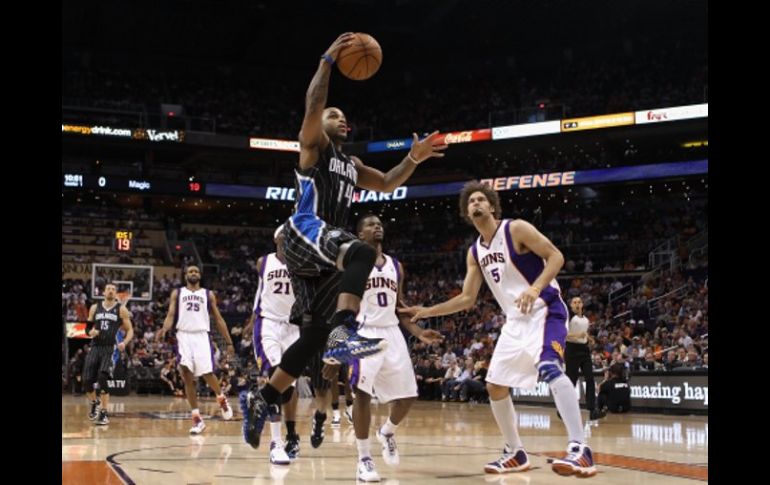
655	321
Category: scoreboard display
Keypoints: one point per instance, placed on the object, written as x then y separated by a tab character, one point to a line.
124	241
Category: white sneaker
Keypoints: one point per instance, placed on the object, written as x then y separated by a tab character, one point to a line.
578	461
349	414
198	425
389	449
224	406
336	422
278	454
366	471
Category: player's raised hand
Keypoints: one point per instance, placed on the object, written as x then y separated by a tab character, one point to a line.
342	41
426	148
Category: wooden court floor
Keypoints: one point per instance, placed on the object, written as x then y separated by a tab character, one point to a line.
147	442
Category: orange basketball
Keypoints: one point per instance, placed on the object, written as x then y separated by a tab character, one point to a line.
362	59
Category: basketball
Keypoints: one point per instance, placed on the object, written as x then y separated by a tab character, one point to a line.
362	59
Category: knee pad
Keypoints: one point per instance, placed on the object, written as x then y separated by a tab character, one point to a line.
358	263
549	371
286	396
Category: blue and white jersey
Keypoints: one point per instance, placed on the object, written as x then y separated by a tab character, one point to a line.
325	190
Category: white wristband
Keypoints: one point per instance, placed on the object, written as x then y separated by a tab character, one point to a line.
410	157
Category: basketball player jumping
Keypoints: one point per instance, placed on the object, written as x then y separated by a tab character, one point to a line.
189	308
104	321
519	265
328	265
389	375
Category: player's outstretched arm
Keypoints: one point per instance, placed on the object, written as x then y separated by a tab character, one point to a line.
463	301
372	179
426	335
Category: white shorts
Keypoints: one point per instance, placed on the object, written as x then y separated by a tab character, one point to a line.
195	352
525	341
271	339
388	375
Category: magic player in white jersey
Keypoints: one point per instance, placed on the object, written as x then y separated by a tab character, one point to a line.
388	375
272	334
519	265
189	308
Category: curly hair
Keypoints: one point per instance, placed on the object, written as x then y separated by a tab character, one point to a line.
489	193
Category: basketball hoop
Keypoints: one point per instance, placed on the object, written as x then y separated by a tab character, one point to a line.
123	297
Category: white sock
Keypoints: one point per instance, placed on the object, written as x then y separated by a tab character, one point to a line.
505	416
388	428
275	431
336	413
196	412
363	449
566	399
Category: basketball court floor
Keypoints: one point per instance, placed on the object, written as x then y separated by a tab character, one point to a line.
147	442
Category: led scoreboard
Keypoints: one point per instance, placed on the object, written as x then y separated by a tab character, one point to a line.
124	241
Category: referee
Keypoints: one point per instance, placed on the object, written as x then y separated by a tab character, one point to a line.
577	355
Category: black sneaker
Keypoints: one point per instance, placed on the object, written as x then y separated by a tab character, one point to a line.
254	420
317	436
94	413
597	414
103	419
292	446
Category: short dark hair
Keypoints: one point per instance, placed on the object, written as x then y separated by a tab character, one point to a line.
489	193
617	369
360	223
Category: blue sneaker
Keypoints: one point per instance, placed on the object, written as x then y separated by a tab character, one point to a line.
243	403
344	345
509	462
255	411
579	461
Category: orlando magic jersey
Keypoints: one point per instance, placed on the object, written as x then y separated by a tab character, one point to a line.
326	189
107	322
507	273
192	310
378	305
274	296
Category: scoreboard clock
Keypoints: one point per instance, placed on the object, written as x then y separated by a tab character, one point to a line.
124	241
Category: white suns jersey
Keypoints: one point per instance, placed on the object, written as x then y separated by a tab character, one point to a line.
507	273
378	305
192	310
275	295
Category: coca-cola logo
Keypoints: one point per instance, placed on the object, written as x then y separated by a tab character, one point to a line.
460	137
659	116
